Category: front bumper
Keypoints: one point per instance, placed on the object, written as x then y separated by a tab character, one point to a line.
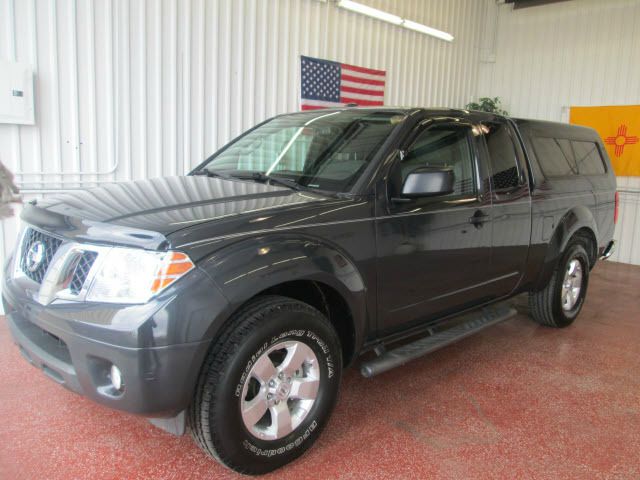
159	347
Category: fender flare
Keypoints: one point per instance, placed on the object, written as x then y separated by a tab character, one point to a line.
245	268
576	218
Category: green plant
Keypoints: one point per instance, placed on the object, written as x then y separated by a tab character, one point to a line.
487	104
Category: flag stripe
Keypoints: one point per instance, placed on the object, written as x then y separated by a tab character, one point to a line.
368	71
356	97
363	91
363	75
312	107
320	103
373	88
351	78
364	103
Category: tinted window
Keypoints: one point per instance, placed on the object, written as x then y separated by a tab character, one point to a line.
554	156
504	167
588	158
443	146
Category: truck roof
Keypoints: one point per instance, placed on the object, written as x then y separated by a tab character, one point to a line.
428	111
535	127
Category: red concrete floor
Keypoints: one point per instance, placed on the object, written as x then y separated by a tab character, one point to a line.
515	401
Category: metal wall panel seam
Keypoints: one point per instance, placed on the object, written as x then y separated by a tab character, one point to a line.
141	96
73	76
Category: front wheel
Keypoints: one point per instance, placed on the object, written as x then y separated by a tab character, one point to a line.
558	304
268	385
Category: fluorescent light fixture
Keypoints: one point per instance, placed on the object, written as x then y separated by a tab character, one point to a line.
396	20
370	11
434	32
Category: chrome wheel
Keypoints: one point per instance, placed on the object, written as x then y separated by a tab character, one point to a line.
280	390
571	285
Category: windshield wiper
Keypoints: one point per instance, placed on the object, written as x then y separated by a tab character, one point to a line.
244	175
264	178
210	173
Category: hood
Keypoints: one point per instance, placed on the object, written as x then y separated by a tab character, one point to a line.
145	213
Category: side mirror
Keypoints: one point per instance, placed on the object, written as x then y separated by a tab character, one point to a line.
428	182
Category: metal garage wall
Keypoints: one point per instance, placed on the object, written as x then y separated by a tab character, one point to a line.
545	59
134	89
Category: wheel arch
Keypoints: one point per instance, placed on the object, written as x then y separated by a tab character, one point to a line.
299	267
327	300
578	221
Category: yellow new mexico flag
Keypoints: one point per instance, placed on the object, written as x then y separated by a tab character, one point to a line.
619	128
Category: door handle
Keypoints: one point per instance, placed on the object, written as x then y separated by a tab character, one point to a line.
479	218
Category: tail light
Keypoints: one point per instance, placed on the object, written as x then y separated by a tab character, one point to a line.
616	208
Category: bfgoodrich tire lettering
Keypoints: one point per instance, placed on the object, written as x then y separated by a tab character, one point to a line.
546	306
215	417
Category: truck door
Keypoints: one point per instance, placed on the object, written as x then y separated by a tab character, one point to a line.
433	253
511	205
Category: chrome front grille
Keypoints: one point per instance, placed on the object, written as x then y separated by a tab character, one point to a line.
62	269
32	267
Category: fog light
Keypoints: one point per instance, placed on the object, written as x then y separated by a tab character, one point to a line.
116	378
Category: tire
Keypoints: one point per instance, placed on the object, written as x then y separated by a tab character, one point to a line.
270	331
549	306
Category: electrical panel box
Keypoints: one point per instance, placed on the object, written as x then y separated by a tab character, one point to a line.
16	93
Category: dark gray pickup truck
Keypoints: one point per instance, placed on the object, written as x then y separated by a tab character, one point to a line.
228	301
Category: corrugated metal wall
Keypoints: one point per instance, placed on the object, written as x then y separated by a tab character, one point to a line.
545	59
134	89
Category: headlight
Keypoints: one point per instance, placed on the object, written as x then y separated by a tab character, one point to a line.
134	276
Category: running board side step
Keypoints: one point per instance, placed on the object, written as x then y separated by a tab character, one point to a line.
467	324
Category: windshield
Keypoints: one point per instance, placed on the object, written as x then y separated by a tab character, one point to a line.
322	150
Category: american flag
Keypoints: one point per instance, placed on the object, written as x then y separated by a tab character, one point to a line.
326	84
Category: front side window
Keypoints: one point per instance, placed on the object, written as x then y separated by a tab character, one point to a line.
502	154
322	150
443	146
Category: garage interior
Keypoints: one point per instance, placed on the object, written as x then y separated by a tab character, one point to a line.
126	90
517	400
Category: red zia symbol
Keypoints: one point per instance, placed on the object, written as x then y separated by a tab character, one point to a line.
620	140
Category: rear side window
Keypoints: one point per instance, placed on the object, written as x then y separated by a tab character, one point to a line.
502	153
588	158
555	156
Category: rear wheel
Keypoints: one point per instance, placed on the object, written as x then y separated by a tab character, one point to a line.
560	302
268	385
